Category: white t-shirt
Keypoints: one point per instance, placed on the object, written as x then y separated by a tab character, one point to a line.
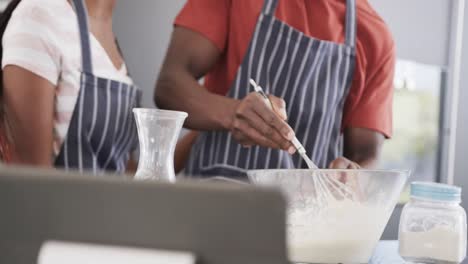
43	37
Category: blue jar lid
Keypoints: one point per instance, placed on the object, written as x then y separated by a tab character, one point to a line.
436	191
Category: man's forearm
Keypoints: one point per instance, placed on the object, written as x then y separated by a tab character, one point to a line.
363	146
207	111
368	163
365	157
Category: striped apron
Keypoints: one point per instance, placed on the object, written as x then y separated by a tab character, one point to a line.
313	76
102	130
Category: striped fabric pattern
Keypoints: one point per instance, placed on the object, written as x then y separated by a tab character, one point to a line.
313	77
43	38
102	130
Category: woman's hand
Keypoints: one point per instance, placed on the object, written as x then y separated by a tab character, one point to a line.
254	122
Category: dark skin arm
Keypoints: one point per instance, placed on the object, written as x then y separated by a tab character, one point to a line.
29	104
363	146
182	151
190	57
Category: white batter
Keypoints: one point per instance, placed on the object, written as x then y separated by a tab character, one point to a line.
440	243
346	232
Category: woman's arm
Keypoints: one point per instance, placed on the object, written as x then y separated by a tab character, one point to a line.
29	105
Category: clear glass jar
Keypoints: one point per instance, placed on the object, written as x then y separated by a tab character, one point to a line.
433	225
158	131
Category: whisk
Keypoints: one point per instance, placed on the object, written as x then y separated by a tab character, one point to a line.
325	186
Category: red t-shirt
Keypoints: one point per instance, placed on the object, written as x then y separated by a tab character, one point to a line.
229	24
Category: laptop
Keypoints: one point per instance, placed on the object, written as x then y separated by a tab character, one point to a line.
217	223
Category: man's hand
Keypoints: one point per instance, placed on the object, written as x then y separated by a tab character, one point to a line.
348	178
254	122
344	163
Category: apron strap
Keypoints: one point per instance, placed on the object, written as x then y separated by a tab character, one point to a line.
351	22
269	7
82	15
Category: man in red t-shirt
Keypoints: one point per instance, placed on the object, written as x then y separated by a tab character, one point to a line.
326	65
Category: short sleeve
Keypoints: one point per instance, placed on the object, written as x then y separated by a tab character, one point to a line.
28	43
207	17
372	109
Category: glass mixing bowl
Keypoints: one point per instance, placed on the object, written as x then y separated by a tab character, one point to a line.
334	216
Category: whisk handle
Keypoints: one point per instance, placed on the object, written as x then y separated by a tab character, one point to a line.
298	146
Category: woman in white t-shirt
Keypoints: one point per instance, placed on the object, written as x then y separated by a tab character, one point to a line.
67	96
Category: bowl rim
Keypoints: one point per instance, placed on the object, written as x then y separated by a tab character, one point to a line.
401	172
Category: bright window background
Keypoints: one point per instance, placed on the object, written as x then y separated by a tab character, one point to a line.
416	109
